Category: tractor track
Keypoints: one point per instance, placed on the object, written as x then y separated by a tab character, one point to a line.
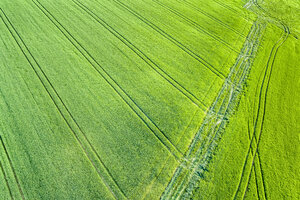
262	103
12	169
214	18
144	57
76	130
225	6
197	158
196	25
156	131
172	39
6	180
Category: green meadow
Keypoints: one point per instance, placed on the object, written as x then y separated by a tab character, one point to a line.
149	99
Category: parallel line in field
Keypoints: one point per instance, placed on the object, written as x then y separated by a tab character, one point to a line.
166	163
254	105
244	166
12	166
160	135
200	151
181	187
284	37
256	94
226	103
251	151
144	57
279	43
225	63
196	25
236	76
6	180
226	6
261	106
214	18
173	40
64	111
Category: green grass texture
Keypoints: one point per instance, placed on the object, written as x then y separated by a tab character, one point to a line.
149	99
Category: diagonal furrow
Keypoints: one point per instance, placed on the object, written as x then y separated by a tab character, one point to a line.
257	130
262	99
115	86
226	6
76	130
213	18
196	25
6	181
12	169
191	170
264	103
173	40
144	57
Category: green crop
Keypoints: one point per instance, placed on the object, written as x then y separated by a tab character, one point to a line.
148	99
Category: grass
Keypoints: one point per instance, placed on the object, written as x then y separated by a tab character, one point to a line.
103	99
272	173
37	141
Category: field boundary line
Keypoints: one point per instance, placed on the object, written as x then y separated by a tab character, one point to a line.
76	130
197	158
160	135
197	26
12	167
173	40
143	56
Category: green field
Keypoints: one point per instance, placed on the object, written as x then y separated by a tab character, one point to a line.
149	99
